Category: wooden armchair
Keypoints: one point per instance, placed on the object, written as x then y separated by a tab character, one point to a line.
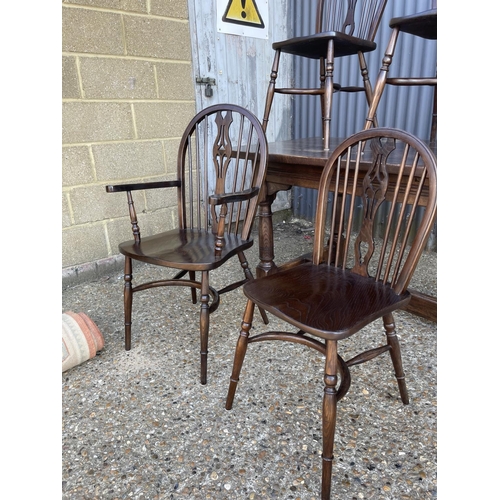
343	28
221	165
359	273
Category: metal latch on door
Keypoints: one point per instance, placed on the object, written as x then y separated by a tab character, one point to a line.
208	82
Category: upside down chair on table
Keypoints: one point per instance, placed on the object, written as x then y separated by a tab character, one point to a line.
343	28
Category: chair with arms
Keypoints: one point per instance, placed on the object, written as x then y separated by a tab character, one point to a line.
343	28
221	165
423	25
359	273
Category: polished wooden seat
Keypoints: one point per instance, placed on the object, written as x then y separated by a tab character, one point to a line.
359	272
423	25
343	28
221	166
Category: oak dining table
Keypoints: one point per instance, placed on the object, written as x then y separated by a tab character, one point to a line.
300	162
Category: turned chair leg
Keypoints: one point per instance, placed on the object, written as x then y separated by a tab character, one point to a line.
392	340
204	326
270	89
239	355
249	276
329	416
328	96
192	277
127	302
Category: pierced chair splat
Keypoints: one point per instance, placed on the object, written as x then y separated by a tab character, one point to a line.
359	271
221	165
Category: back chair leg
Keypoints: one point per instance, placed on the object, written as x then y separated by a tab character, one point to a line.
392	340
192	277
127	302
244	265
239	355
249	276
329	416
204	326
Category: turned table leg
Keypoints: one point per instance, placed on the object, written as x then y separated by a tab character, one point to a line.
266	240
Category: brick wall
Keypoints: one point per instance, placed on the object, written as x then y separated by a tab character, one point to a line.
128	94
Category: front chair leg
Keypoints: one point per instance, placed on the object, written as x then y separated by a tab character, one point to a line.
204	326
329	416
127	302
239	355
392	340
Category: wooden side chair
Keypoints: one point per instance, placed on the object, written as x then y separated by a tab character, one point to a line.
423	25
358	273
221	165
343	28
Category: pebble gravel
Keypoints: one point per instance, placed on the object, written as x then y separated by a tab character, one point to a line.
138	424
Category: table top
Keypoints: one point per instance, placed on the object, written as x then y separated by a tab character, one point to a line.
300	162
311	153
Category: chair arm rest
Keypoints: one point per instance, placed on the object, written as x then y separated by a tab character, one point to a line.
118	188
247	194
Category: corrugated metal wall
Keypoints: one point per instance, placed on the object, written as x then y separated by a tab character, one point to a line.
408	108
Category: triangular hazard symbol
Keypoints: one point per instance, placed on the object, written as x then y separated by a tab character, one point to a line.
243	12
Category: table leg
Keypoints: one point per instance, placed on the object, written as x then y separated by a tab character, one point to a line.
266	239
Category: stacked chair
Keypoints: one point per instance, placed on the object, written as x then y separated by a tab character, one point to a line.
423	25
343	28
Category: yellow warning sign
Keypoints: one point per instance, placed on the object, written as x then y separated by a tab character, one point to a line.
243	12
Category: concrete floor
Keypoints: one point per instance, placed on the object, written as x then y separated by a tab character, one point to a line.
138	424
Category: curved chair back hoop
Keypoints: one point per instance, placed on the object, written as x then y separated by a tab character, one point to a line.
405	203
223	150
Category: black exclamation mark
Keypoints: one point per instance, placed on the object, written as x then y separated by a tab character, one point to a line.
243	14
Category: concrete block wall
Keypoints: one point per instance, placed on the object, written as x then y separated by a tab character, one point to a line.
128	93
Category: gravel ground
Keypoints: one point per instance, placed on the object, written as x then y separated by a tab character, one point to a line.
139	425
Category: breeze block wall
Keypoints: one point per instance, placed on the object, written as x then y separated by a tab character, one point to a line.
128	94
